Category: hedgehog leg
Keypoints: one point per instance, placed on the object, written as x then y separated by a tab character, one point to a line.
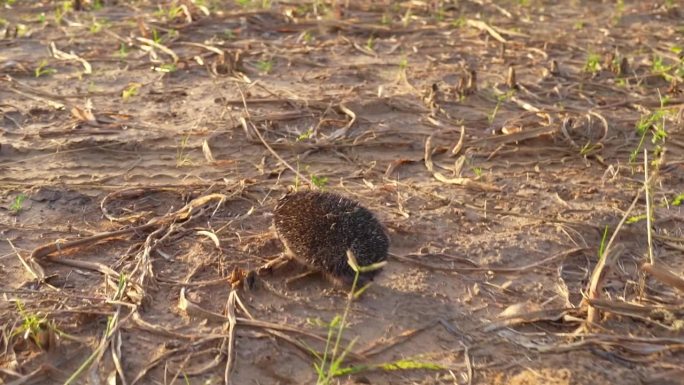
297	277
274	264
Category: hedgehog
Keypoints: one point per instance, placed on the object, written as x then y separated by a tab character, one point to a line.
318	228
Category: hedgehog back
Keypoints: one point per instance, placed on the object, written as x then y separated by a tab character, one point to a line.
318	229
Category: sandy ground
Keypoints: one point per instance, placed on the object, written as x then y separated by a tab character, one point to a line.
497	190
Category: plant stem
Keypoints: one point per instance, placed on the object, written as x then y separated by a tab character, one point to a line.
651	259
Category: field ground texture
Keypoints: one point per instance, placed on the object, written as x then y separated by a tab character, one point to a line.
502	143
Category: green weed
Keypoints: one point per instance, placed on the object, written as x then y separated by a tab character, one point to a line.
370	43
98	25
477	171
459	23
329	365
307	36
32	325
43	69
593	63
123	51
403	64
130	91
265	66
18	204
499	100
62	10
655	124
167	68
305	135
319	181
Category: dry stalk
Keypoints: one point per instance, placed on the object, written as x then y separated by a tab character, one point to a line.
465	182
598	276
664	275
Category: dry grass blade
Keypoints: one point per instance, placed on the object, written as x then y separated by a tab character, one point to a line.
206	150
522	313
61	55
342	132
179	215
664	275
283	161
159	46
116	357
459	145
230	340
29	264
211	235
598	277
517	136
194	310
46	251
465	182
481	25
159	330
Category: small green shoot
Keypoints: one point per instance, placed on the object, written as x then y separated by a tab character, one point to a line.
460	22
62	10
319	181
155	36
130	91
440	15
404	364
329	365
403	64
588	148
370	43
166	68
477	171
653	123
635	218
305	135
123	51
307	37
18	204
32	325
593	63
43	69
619	11
499	100
406	19
264	4
579	25
678	200
110	328
98	25
265	66
602	246
174	12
